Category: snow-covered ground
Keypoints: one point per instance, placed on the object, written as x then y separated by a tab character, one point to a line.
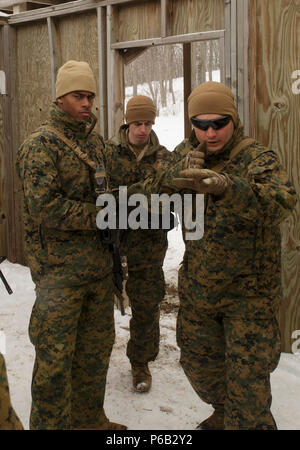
171	404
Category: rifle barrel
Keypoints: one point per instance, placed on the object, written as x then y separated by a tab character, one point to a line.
7	286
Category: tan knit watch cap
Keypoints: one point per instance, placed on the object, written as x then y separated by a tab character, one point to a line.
140	108
75	76
212	97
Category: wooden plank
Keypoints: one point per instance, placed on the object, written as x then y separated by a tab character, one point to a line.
14	237
55	11
195	16
187	86
54	53
102	68
184	38
137	21
164	17
246	96
253	34
115	78
227	43
3	220
33	76
84	48
276	115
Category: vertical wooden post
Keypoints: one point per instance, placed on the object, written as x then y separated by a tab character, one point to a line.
54	53
187	86
102	66
164	17
10	126
115	79
227	46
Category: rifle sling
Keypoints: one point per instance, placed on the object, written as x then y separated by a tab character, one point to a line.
234	152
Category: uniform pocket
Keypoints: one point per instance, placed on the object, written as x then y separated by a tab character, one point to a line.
36	322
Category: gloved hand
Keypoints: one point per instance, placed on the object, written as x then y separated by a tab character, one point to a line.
195	158
203	181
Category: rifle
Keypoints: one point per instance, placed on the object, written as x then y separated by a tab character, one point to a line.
112	239
7	286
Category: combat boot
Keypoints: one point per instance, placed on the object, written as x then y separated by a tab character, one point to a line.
213	422
141	377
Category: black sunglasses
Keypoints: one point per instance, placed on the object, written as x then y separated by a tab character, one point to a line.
216	124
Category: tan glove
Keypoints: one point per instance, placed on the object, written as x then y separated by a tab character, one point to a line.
195	158
203	181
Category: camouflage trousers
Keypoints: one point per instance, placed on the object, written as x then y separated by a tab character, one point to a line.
230	343
72	330
145	289
8	418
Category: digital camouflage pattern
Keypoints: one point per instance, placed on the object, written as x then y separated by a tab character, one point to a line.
72	330
72	323
62	241
145	249
229	346
8	417
230	282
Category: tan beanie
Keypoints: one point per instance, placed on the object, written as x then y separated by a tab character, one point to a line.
212	98
140	108
75	76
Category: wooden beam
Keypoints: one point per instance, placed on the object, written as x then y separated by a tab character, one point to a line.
55	11
20	7
164	17
115	78
187	86
102	66
178	39
54	53
227	43
10	125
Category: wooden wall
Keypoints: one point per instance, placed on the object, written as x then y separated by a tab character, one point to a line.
194	16
33	63
275	121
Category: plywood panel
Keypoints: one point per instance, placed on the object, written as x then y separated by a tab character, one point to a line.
33	76
191	16
137	21
275	115
79	41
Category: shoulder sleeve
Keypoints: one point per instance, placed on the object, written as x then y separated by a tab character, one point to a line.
266	192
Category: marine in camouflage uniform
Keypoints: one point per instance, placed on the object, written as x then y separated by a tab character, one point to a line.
230	280
8	417
72	321
128	161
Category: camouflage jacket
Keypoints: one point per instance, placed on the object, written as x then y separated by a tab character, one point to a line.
62	241
241	228
123	168
8	417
